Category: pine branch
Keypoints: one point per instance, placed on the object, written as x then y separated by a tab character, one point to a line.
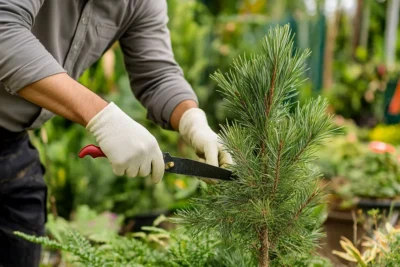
277	169
269	96
306	145
296	215
240	99
230	137
303	206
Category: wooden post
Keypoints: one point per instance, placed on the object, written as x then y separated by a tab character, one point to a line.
329	53
366	13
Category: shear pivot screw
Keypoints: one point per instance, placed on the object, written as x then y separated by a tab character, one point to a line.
169	165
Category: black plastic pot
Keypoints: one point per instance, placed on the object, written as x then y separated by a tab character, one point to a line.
382	204
135	223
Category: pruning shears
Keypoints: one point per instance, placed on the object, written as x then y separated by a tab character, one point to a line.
174	165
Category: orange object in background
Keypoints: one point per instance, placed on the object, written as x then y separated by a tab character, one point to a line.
381	147
394	106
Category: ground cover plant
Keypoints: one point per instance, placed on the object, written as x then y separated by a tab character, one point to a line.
267	215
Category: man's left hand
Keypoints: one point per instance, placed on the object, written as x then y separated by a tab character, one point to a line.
194	129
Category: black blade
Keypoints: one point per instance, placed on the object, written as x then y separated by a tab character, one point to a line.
195	168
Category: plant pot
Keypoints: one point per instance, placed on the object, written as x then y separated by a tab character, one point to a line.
382	204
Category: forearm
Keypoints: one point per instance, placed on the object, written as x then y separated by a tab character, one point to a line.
64	96
178	112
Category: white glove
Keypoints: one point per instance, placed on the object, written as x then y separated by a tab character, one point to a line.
194	129
129	147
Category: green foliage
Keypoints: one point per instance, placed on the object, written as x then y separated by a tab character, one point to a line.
392	258
76	244
99	228
305	261
157	247
373	175
357	171
358	92
335	159
191	27
268	210
359	71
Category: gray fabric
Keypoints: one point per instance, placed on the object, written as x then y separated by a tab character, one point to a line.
40	38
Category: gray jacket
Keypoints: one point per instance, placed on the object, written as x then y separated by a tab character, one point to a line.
40	38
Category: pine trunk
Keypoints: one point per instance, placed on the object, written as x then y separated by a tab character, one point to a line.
264	250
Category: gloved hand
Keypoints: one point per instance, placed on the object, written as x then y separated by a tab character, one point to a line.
129	147
194	129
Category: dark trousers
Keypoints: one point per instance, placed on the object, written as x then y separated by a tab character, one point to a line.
23	195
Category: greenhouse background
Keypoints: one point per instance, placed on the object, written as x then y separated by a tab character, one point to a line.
354	62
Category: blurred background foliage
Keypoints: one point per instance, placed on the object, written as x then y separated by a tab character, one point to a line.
347	65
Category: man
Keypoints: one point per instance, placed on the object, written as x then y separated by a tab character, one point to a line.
44	46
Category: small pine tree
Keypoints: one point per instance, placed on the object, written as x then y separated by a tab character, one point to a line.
268	210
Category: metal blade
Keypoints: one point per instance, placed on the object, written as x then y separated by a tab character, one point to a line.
194	168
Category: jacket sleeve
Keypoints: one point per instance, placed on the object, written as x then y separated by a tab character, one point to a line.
23	59
156	79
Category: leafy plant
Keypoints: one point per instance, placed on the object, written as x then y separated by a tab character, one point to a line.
382	250
268	210
358	92
336	157
361	170
374	175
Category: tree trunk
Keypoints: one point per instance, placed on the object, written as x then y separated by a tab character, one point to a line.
264	250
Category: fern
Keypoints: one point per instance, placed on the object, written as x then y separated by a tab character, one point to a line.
181	250
76	244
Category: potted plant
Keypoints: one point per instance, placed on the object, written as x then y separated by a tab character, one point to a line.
380	250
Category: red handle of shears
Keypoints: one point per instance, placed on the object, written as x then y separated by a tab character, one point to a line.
93	151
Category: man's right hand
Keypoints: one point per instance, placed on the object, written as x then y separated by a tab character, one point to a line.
130	148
